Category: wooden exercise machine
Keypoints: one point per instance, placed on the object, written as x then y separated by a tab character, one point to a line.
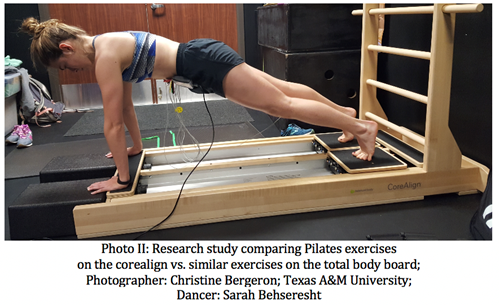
276	176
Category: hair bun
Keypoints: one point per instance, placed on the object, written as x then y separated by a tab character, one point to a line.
30	25
34	27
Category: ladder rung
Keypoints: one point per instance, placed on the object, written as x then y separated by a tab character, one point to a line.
409	94
401	52
417	138
463	8
414	10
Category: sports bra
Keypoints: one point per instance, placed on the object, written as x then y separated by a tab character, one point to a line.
144	57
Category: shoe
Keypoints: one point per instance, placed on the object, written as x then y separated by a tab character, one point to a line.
25	137
294	130
14	136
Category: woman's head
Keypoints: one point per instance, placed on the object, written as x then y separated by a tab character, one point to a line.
47	37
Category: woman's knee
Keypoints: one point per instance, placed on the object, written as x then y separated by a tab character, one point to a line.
282	107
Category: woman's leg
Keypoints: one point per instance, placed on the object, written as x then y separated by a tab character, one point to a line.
257	90
302	91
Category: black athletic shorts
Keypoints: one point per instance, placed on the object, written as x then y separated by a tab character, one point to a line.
206	62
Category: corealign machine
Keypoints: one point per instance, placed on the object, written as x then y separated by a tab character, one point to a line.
276	176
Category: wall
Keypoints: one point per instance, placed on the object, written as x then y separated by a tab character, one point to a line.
181	22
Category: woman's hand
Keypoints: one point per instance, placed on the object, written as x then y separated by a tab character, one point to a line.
131	151
104	186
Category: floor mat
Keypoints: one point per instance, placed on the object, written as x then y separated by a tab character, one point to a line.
30	161
154	117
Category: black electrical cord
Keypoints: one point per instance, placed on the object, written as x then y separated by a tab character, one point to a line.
194	168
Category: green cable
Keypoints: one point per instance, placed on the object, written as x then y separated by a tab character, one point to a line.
173	137
151	138
158	139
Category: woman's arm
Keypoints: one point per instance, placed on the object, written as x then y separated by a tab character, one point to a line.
108	74
130	119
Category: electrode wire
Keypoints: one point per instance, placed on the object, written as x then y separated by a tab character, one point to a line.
189	175
175	98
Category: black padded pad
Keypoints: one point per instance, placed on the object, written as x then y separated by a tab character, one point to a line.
77	167
401	146
331	140
46	210
380	159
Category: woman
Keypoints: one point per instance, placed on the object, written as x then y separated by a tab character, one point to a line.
121	58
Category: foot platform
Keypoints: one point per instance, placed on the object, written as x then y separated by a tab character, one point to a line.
381	161
329	141
340	158
404	150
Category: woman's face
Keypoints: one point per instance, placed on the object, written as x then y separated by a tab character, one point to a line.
72	59
69	63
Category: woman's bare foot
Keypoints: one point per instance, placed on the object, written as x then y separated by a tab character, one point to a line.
347	136
366	141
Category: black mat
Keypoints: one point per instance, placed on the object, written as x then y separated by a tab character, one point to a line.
77	167
30	161
152	117
331	140
380	159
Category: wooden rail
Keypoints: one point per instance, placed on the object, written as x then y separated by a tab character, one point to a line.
414	10
408	94
401	52
403	131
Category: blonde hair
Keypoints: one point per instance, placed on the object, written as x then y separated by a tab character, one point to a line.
46	38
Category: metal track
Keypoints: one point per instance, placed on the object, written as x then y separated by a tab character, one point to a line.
235	175
239	151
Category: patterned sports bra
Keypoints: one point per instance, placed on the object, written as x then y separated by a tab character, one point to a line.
144	57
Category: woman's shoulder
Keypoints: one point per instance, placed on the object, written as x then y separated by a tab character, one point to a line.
113	42
116	46
113	38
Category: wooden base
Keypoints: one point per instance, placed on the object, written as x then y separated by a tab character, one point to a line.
136	213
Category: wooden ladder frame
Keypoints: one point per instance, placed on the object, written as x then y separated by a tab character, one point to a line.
441	152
